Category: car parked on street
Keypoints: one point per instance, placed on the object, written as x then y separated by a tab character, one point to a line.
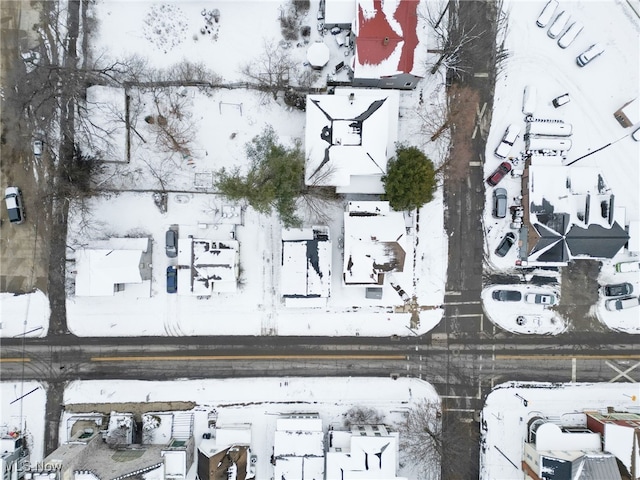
171	243
37	147
558	25
621	303
172	279
506	244
618	290
499	173
13	201
589	54
506	295
540	298
510	136
547	13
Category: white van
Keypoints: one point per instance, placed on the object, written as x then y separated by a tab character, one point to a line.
529	100
551	129
548	143
622	303
570	35
558	25
508	139
546	14
589	54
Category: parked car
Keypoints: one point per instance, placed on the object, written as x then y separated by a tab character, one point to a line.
558	25
547	13
506	244
625	267
506	295
618	290
172	279
510	136
589	54
540	298
171	241
529	98
13	200
561	100
621	303
499	203
37	147
499	173
570	35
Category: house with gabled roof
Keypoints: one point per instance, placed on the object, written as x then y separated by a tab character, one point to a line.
207	266
389	49
365	451
569	213
375	243
116	266
227	454
306	266
349	138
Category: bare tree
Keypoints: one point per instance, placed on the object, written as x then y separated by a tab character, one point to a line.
270	71
451	34
421	439
359	415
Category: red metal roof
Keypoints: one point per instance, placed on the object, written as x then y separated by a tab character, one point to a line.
372	46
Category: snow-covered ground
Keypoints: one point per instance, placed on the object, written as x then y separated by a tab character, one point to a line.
521	316
22	407
505	417
596	91
259	402
26	314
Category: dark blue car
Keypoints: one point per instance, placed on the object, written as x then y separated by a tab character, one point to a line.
172	279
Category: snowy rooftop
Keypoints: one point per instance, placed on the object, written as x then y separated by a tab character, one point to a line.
298	448
339	12
350	134
388	38
375	242
306	263
211	266
100	269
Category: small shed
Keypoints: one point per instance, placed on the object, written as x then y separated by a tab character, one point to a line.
629	114
318	55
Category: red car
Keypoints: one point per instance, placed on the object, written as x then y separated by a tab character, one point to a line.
500	172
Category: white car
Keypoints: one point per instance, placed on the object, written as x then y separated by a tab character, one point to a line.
540	298
626	267
508	139
37	147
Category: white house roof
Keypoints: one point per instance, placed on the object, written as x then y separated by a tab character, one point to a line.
339	12
298	448
98	270
549	436
374	242
619	440
207	266
306	264
350	133
354	456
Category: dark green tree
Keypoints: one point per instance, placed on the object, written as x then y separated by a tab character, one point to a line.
275	178
410	180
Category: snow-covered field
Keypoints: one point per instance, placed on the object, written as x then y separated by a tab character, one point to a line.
505	417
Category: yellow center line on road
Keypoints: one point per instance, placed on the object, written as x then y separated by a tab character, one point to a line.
632	356
14	360
188	358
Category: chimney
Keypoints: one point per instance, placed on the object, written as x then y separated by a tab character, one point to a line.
385	42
